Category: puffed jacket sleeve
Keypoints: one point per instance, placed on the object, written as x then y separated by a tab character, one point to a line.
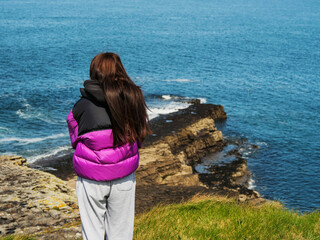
73	129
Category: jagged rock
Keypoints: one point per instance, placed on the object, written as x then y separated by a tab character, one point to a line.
18	160
169	160
257	194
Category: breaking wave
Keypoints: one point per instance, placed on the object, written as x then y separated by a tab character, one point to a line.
24	141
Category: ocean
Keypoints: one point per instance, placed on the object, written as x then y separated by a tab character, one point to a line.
260	59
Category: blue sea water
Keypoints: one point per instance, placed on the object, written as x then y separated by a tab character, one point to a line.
260	59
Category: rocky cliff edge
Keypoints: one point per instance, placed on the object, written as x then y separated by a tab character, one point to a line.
37	202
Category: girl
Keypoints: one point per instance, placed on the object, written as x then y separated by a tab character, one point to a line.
107	125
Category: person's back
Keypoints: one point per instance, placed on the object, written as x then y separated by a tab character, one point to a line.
106	126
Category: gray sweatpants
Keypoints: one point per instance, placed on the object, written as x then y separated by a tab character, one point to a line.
107	208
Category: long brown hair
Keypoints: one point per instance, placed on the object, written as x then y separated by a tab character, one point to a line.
127	106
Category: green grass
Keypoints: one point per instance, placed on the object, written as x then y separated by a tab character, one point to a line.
218	218
209	217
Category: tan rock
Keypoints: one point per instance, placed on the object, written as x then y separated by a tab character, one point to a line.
242	197
31	201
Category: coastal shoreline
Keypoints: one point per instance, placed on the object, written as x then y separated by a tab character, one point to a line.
169	157
167	172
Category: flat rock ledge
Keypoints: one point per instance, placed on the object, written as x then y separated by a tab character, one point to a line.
44	203
35	202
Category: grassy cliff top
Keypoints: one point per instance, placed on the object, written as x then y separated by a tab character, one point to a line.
207	217
213	217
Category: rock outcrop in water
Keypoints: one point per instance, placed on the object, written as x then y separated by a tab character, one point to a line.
33	201
169	158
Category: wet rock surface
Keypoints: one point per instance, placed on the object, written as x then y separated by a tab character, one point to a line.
172	168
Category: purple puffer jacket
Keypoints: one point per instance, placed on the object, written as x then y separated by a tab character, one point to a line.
95	157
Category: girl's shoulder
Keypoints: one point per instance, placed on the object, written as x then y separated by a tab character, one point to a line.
91	116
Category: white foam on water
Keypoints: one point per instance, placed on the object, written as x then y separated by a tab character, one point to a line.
152	115
171	97
251	183
260	144
29	112
181	80
23	114
24	141
59	151
33	114
202	100
166	109
4	129
166	97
